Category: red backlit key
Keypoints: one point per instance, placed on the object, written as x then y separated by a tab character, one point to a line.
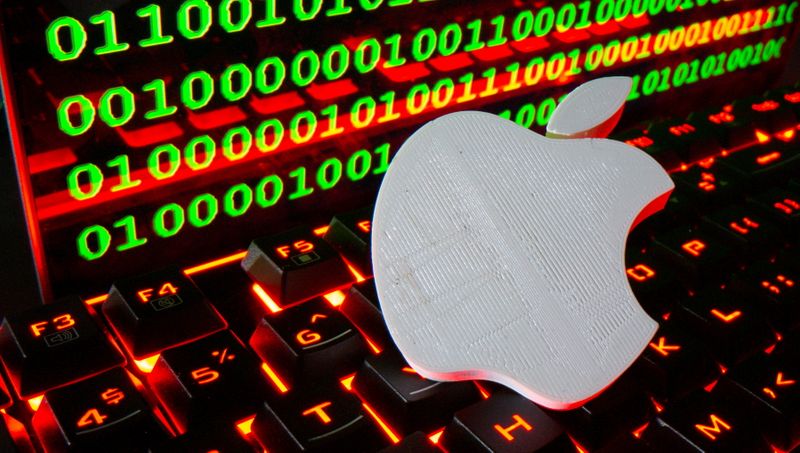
709	184
772	384
350	235
654	283
506	422
731	329
408	401
699	255
709	422
746	230
656	148
765	115
781	205
688	139
52	345
776	284
88	415
159	310
764	163
674	365
413	443
295	266
732	131
316	419
13	436
215	377
361	307
308	340
622	407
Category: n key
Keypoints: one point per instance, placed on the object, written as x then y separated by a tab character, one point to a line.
295	266
51	345
88	415
159	310
506	422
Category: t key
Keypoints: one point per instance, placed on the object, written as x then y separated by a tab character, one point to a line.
51	345
159	310
87	415
295	266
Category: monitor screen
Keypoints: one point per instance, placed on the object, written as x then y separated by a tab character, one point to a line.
160	132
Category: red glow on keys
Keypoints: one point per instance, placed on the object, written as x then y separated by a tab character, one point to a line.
274	378
35	402
663	347
748	226
640	142
694	247
682	129
321	230
727	318
765	106
245	426
768	158
262	295
640	272
717	424
335	298
347	382
238	256
507	431
484	393
436	436
637	433
382	424
787	135
788	206
147	364
721	117
794	98
96	300
762	137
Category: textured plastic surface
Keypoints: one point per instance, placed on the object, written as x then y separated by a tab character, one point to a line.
499	254
590	110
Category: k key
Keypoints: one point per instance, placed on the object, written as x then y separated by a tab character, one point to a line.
51	345
215	377
317	420
87	416
159	310
295	266
506	422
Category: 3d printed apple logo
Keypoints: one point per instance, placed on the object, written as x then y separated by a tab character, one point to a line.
499	254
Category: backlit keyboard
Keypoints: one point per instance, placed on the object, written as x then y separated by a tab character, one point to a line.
282	347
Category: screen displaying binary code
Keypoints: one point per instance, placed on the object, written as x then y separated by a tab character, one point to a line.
171	132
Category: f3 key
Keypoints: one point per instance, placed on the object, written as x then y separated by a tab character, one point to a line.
51	345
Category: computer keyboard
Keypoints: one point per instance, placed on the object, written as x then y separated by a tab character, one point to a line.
282	347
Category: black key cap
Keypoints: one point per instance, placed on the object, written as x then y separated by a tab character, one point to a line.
771	383
506	422
763	163
657	149
749	232
209	438
690	141
654	284
408	401
726	324
159	310
350	235
709	183
361	307
308	340
765	115
699	255
52	345
675	365
733	132
413	443
213	377
776	286
622	407
712	422
91	414
781	205
295	266
317	420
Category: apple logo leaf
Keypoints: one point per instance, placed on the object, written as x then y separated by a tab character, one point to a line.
591	110
498	254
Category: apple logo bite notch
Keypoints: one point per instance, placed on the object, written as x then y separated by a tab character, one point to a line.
499	253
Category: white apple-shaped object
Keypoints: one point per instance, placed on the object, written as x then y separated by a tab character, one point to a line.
499	253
